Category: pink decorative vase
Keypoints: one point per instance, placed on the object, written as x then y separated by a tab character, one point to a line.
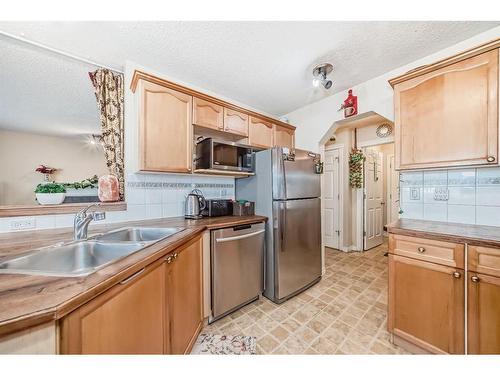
108	188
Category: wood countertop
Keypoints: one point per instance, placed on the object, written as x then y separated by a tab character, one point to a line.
27	300
477	235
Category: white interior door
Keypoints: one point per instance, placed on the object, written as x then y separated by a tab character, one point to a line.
374	197
331	199
392	191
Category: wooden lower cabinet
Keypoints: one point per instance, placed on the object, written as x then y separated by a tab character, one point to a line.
156	310
126	319
184	298
426	304
483	314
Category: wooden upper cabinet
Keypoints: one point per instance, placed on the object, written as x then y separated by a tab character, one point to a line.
426	304
126	319
448	116
185	297
483	314
165	129
208	114
260	133
235	122
283	136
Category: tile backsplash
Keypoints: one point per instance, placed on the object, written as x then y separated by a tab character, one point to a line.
470	196
148	196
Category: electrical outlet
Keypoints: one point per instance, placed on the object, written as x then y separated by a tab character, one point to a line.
22	224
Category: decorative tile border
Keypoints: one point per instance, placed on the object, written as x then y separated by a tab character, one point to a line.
488	180
455	195
174	185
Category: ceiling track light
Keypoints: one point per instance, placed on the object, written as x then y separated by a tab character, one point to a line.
320	74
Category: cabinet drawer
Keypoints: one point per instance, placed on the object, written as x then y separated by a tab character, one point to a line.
484	260
440	252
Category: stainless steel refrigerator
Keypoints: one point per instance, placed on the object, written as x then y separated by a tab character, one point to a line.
286	189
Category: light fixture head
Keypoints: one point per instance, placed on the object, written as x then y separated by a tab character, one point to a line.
320	73
95	139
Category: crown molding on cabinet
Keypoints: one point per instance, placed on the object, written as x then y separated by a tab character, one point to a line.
140	75
421	70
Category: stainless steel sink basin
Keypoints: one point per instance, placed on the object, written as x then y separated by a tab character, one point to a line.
73	259
138	234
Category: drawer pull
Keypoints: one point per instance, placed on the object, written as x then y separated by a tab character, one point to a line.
131	277
474	279
421	249
457	275
490	159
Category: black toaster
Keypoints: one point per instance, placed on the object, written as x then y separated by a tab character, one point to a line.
218	207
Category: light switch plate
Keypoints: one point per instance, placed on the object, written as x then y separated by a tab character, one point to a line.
22	224
414	194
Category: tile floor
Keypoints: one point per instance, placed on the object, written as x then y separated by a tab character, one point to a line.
345	313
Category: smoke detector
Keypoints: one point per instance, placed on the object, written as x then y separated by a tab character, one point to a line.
320	74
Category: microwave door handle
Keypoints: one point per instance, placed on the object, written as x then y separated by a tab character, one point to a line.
211	153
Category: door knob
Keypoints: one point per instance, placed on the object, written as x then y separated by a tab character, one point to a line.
457	275
421	249
474	279
490	159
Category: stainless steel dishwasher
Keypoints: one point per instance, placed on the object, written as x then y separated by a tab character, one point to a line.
237	258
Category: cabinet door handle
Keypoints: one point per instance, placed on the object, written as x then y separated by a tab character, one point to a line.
457	275
175	256
169	259
133	276
421	249
490	159
474	279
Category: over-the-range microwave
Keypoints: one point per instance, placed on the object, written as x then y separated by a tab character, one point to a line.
220	155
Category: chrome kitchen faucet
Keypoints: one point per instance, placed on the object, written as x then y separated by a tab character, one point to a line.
82	221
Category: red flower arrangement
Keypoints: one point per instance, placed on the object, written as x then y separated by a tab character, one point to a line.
45	170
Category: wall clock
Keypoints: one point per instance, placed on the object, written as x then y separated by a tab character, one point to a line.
384	131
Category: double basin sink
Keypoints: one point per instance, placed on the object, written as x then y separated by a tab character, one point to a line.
81	258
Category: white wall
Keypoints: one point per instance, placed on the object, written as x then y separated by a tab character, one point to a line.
22	152
312	121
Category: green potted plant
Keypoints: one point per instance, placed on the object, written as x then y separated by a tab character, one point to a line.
82	191
50	193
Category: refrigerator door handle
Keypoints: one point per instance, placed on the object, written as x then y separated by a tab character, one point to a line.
279	174
282	225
